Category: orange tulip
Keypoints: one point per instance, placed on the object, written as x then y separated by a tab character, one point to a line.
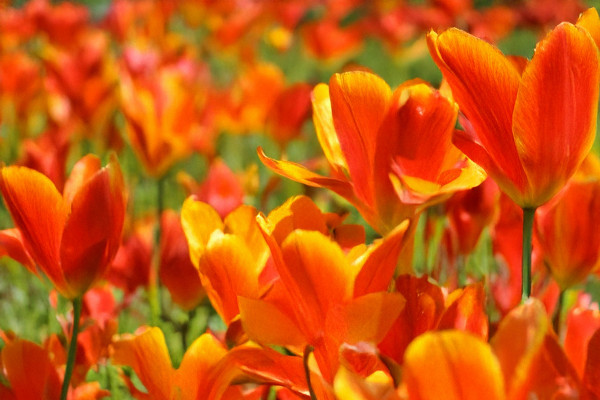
74	236
176	271
322	304
148	355
221	188
160	108
229	255
583	320
568	235
436	366
390	153
530	124
427	310
523	361
15	358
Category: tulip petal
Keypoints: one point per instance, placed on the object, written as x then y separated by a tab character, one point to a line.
18	357
370	317
92	233
195	375
484	83
423	132
591	375
378	264
147	354
359	104
317	270
300	174
265	323
554	120
424	305
436	366
323	121
198	220
227	270
11	245
82	171
40	214
466	311
590	21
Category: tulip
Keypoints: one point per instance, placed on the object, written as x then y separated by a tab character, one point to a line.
390	153
529	124
72	237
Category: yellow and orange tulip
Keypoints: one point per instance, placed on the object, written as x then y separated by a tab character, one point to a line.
390	153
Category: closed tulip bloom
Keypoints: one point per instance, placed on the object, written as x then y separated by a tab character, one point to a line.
530	123
72	237
568	234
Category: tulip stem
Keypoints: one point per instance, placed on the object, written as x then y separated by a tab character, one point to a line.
556	319
528	215
307	350
72	348
154	289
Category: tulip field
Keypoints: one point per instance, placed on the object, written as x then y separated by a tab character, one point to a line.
299	199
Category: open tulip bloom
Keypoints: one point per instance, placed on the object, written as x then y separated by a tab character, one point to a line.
390	152
529	124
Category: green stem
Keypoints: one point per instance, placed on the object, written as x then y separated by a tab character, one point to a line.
557	315
528	215
307	350
154	289
72	348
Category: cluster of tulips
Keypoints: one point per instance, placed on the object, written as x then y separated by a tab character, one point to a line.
445	254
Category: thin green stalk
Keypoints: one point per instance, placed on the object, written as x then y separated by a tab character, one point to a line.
72	348
154	286
307	350
556	319
528	215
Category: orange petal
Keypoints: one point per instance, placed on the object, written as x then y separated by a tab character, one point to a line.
590	21
378	264
466	311
325	130
298	212
424	305
266	323
227	270
40	214
92	233
582	322
370	317
147	354
316	273
300	174
82	171
451	365
242	222
198	220
555	112
531	358
421	134
266	366
176	271
591	376
196	374
18	357
359	104
484	83
11	245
